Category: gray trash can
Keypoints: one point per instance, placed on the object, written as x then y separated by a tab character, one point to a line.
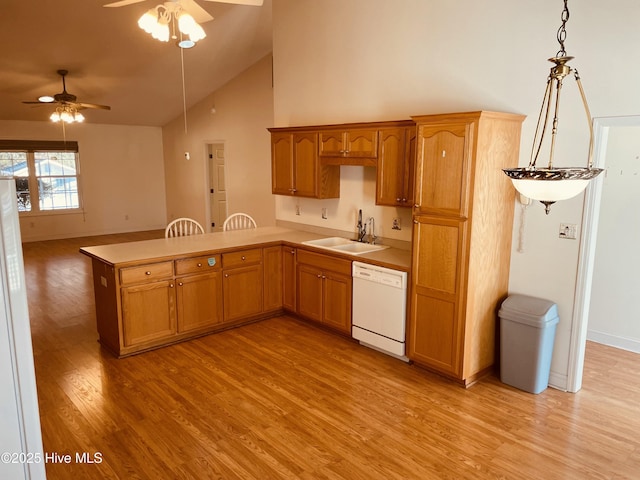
527	332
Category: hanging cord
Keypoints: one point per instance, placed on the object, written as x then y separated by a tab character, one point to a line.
523	211
184	91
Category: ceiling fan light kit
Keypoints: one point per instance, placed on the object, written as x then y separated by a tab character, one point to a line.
551	184
156	23
68	107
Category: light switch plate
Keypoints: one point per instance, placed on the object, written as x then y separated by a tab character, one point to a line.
568	230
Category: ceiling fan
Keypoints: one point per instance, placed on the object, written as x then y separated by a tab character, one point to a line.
66	99
191	7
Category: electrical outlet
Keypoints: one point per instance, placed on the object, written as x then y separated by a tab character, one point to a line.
568	230
324	213
396	224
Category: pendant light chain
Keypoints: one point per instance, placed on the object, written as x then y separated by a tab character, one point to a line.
562	31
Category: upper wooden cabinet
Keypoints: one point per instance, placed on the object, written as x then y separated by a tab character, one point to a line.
396	166
353	143
295	167
443	168
461	239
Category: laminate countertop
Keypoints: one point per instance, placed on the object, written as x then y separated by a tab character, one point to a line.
132	253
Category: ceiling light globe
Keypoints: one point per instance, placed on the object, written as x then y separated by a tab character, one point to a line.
66	117
78	117
148	21
197	33
161	32
55	117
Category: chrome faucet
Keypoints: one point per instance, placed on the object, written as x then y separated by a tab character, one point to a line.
372	235
362	227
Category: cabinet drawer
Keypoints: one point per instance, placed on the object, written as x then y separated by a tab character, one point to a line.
324	262
241	258
144	273
197	264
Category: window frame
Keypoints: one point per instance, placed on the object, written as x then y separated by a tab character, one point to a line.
30	147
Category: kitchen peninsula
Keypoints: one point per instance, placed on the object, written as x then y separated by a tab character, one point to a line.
154	293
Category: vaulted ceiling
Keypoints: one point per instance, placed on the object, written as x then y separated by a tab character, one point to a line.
111	61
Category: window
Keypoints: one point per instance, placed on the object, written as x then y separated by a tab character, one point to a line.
46	174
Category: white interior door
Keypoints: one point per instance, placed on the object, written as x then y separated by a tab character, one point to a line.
217	186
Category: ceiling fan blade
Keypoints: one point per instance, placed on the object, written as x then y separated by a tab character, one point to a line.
91	105
255	3
38	103
122	3
198	13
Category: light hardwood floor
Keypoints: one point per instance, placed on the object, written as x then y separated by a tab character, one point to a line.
281	399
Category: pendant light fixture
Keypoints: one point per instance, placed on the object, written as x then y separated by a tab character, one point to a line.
551	184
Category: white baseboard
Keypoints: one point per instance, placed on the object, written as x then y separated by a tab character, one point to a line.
623	343
558	381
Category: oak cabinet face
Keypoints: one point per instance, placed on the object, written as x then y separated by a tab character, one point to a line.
296	169
396	167
462	229
349	143
324	293
199	300
148	312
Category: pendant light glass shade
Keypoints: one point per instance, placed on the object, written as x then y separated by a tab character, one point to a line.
549	185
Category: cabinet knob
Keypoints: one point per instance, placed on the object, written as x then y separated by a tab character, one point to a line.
319	276
199	265
398	200
294	190
243	258
416	222
180	284
147	273
323	276
404	200
171	285
416	206
292	252
226	275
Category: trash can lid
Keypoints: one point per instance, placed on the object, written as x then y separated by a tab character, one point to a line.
533	311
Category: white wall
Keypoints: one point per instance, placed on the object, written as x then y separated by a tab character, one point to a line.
370	60
615	309
121	176
243	112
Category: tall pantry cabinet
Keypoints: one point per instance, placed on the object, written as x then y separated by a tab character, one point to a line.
463	217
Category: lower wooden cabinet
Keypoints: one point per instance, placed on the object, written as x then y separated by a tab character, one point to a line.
199	301
144	306
289	262
242	284
324	290
148	312
273	272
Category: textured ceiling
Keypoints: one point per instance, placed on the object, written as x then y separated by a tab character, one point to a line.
113	62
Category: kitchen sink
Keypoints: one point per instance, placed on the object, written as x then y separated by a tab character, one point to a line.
344	245
328	242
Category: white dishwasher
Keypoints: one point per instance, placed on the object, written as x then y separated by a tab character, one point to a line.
380	308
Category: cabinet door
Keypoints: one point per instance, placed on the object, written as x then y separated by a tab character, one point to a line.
305	164
199	301
361	143
242	288
310	296
272	278
332	143
390	181
442	175
148	312
282	163
337	301
436	329
289	278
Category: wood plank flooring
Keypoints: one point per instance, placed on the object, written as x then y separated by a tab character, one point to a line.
280	399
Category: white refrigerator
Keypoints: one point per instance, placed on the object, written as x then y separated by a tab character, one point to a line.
21	454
